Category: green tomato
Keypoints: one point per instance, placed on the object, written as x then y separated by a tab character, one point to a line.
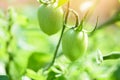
74	44
50	18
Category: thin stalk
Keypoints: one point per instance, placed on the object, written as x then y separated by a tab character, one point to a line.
57	47
76	16
9	41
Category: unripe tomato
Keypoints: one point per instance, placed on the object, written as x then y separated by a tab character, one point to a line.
50	18
74	44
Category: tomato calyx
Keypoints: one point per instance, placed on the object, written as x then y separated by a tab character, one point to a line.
80	26
47	2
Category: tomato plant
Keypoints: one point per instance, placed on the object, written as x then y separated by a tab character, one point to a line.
26	53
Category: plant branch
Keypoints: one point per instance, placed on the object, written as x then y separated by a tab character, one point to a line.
10	23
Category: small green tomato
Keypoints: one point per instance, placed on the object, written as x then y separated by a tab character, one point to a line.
50	18
74	43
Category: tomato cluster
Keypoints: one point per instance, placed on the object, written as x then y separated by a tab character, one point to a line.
74	41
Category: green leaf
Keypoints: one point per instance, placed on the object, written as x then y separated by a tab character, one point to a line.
56	73
110	56
30	73
4	77
116	73
38	60
61	78
115	55
61	2
53	76
18	64
14	71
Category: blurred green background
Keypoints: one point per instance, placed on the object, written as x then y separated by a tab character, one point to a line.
30	50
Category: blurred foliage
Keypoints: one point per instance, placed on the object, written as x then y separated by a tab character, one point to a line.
32	50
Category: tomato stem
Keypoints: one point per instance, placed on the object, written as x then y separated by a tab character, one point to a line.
57	47
10	58
77	17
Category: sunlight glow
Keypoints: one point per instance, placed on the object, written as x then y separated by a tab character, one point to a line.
86	6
